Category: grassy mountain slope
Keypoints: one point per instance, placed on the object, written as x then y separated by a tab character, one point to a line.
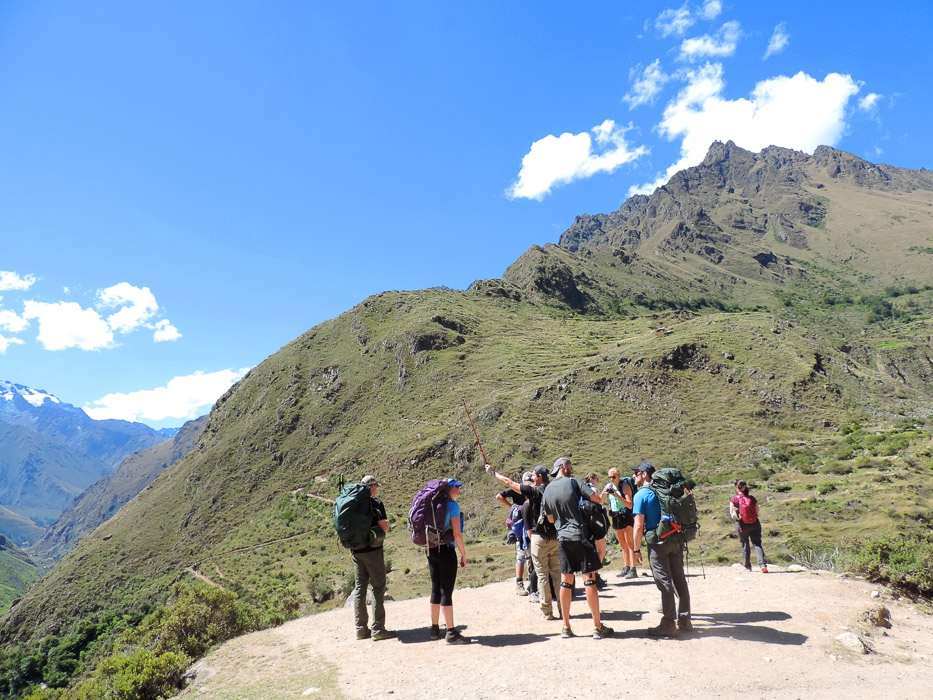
822	406
17	573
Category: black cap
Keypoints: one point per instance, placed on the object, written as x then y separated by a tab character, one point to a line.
646	467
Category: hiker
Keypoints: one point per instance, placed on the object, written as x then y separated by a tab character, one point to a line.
600	513
513	500
621	491
543	535
666	559
577	553
369	569
442	566
743	508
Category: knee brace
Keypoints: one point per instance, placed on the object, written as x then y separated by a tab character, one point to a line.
564	584
589	582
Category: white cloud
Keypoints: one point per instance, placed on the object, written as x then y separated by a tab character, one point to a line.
5	343
12	322
10	281
135	306
869	102
165	331
721	44
183	398
797	112
779	40
647	86
66	325
674	22
558	160
711	9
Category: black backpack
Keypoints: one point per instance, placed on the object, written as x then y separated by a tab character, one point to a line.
592	515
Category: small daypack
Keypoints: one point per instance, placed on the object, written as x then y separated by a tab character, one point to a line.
428	513
515	514
592	514
353	516
748	509
679	516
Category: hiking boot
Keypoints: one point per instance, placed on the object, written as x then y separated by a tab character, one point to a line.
602	632
667	628
435	633
684	623
764	569
533	598
520	589
566	633
454	637
625	570
363	633
601	583
549	616
384	634
632	573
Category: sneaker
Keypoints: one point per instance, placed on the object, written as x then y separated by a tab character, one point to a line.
454	637
602	632
384	634
684	624
764	569
632	573
566	633
435	633
549	616
363	633
533	598
520	589
748	569
667	628
625	570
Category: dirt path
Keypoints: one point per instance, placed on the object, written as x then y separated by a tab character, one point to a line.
758	636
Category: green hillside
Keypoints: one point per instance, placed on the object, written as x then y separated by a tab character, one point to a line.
814	388
17	573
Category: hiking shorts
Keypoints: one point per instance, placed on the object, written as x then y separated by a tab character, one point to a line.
522	555
578	556
622	519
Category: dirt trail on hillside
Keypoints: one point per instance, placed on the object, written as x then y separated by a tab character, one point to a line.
757	635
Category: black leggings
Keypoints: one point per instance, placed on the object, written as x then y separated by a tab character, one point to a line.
442	565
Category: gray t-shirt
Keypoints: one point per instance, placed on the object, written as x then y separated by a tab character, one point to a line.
561	501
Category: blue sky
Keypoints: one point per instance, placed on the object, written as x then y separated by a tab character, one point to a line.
185	187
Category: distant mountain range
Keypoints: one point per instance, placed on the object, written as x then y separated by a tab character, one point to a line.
50	452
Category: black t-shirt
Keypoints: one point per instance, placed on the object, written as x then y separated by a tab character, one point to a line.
379	512
535	496
516	497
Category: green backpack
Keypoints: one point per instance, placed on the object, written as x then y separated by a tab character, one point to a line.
353	516
679	516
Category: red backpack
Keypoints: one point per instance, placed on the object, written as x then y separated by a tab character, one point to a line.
748	509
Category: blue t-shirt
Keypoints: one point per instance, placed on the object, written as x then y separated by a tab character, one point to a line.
646	503
453	511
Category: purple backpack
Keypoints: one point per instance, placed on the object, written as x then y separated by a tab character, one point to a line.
428	513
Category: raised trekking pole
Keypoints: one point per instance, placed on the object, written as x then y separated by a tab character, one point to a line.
475	434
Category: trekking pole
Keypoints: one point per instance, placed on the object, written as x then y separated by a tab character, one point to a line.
475	434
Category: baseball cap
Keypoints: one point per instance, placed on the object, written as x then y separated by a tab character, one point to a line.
646	467
558	463
454	482
369	480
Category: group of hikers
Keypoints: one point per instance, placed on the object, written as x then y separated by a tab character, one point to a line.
559	527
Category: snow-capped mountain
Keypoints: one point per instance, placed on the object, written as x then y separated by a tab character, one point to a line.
51	451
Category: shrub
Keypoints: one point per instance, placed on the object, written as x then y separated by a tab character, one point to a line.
144	675
198	617
904	561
